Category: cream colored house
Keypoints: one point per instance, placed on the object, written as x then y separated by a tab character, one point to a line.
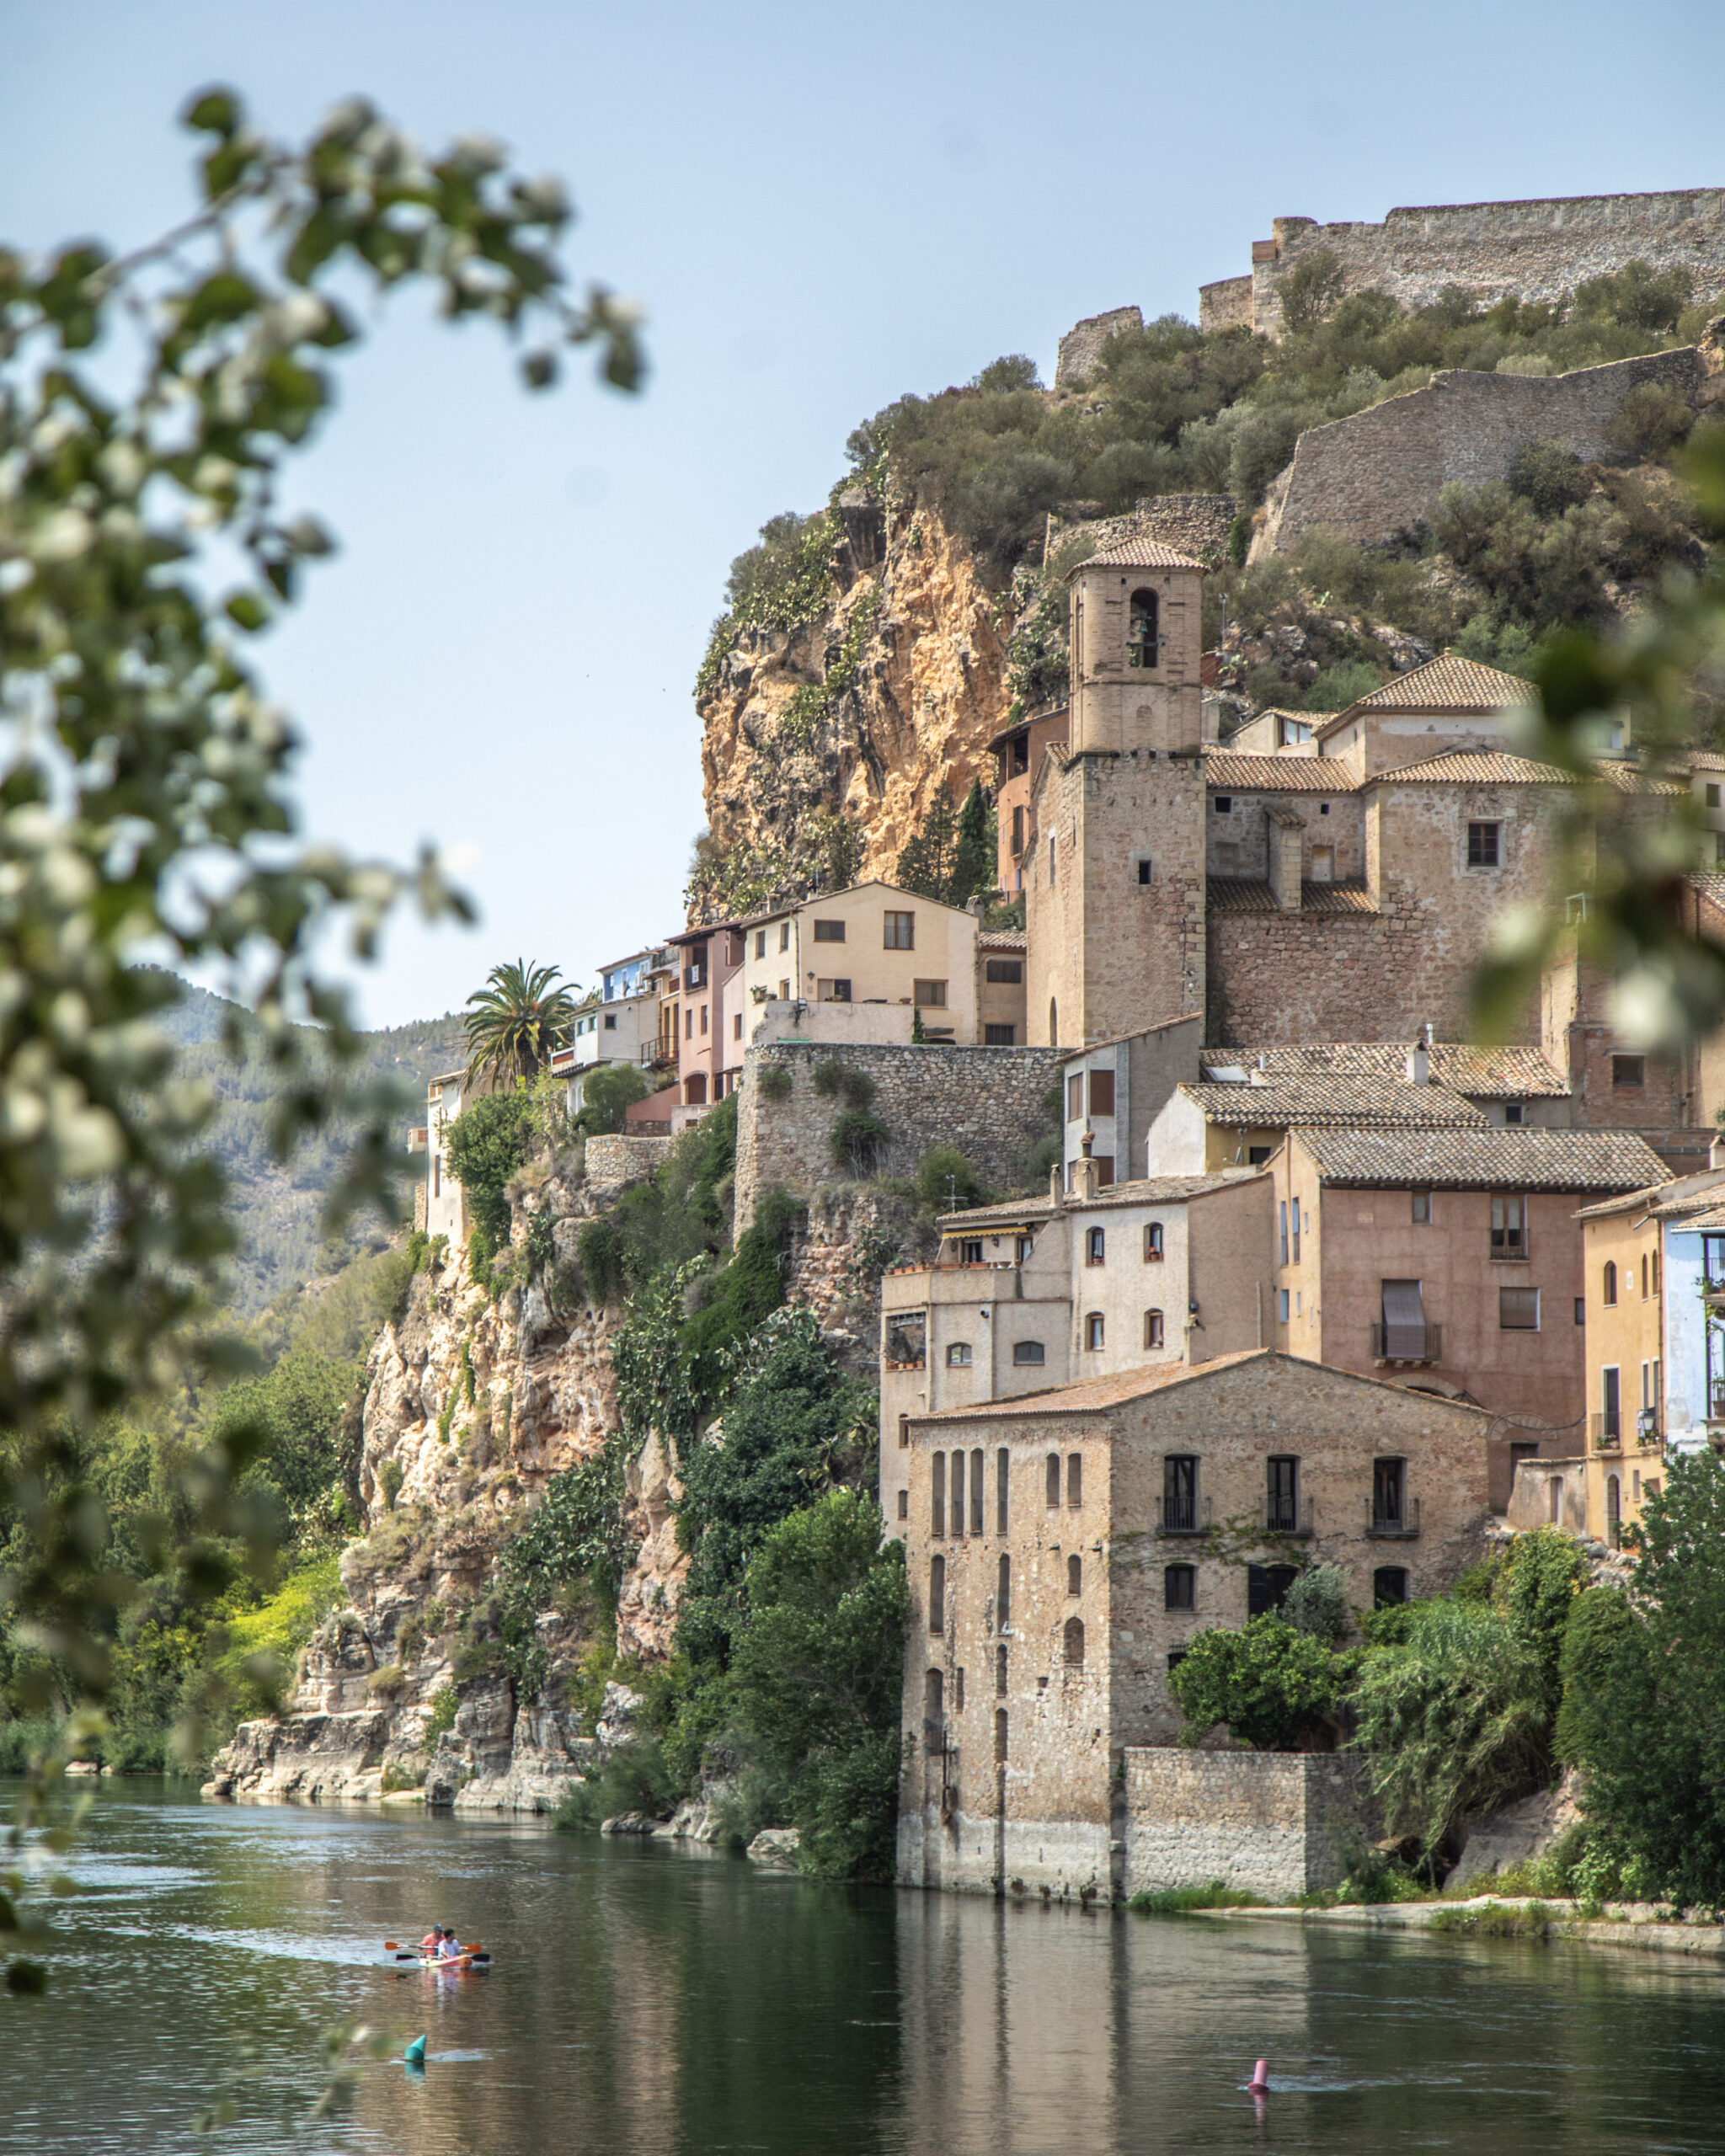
873	943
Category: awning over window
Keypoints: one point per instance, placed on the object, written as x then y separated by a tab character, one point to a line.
1404	1320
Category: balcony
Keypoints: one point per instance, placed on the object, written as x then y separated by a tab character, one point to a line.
1407	1342
1189	1517
695	976
1285	1516
1646	1426
1607	1432
1401	1526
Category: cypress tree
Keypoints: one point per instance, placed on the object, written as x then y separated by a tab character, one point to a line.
976	857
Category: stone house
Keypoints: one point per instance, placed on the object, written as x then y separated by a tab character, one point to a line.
1041	1291
444	1209
999	988
1450	1260
1064	1548
872	943
1112	1093
1654	1263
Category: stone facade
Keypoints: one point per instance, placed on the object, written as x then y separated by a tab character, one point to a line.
1040	1631
1272	1824
1080	347
1538	250
1379	473
988	1101
1198	525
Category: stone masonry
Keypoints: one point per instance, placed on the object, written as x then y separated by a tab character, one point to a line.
1080	347
988	1101
1379	473
1538	250
1270	1824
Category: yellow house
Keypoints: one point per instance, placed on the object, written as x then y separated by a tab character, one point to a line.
873	943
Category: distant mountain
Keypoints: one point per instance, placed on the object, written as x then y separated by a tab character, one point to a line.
277	1206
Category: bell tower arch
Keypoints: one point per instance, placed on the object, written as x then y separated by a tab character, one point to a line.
1136	635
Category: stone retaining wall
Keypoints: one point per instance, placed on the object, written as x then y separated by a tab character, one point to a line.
1275	1824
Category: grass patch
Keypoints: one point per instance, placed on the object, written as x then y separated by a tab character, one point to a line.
1181	1901
1497	1920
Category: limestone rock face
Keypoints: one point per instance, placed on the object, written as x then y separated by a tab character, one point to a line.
927	693
646	1604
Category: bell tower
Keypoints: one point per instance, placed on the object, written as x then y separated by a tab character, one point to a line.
1114	889
1136	634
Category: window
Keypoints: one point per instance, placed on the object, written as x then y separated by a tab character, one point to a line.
934	1711
1022	1248
1153	1242
1515	1113
1224	803
1387	1484
976	1491
1294	1220
1255	1155
1072	1640
1292	733
1404	1335
1153	1336
737	1026
1093	1330
1144	875
1075	1575
1026	1354
1508	1227
1176	1657
688	1022
1628	1072
1143	623
937	1495
1075	1097
1180	1587
784	935
931	994
784	992
1180	1493
1422	1208
1483	846
1010	970
1266	1587
703	1017
837	991
958	1690
1054	1023
1643	1275
1656	1272
1517	1310
937	1594
1581	1309
958	1494
1283	1226
1053	1478
1002	1484
1003	1594
903	1504
958	1355
1284	1304
971	1250
904	1432
999	1672
760	942
1102	1092
829	931
999	1036
1050	858
1712	797
609	1022
1609	1284
1610	1404
1000	1733
1017	833
1282	1494
1075	1479
899	932
1389	1587
1095	1245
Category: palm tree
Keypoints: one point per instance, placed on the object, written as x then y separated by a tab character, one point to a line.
515	1021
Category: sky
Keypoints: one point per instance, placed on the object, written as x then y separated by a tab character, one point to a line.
819	209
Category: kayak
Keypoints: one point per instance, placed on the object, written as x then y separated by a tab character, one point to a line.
461	1964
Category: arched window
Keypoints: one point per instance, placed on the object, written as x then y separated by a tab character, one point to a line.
1075	1575
1152	1328
1000	1736
958	1355
1095	1246
1073	1640
1054	1478
1094	1330
1141	637
1153	1242
937	1594
937	1495
1610	1290
1003	1595
1179	1587
976	1491
1075	1479
1027	1354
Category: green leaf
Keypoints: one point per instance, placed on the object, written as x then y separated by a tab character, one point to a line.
247	610
214	111
539	370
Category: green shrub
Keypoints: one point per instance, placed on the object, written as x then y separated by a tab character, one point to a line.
634	1778
1263	445
947	1180
859	1142
600	1244
743	1294
607	1095
1311	290
1496	1920
1549	475
774	1080
1636	297
484	1146
1181	1901
446	1705
1652	419
842	1081
262	1644
1317	1604
1272	1686
403	1774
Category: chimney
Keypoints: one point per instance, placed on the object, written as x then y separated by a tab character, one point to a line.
1419	1063
1084	1167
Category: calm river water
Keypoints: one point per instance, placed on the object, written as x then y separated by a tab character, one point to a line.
645	2000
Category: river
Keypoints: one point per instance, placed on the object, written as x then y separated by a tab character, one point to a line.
646	1999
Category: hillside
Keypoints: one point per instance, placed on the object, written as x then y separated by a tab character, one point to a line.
277	1207
869	651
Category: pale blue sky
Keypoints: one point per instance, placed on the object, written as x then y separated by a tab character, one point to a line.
820	209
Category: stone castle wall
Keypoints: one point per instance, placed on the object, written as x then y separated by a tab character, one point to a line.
1538	250
1271	1823
1199	525
1380	472
1080	347
988	1101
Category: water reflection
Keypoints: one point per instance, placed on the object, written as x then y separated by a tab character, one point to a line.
643	2001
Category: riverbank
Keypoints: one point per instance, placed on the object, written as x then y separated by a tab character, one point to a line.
1644	1926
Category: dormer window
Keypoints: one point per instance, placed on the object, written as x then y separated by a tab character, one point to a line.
1142	638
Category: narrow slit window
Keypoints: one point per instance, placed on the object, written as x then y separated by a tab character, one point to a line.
1054	1478
937	1495
976	1491
1003	1482
1075	1575
1153	1336
1072	1641
1142	634
1003	1596
1075	1479
937	1594
958	1494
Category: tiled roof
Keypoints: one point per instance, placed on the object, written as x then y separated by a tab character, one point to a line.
1152	1190
1711	886
1224	768
1137	554
1491	1158
1092	1395
1492	1073
1324	1097
1446	684
1137	1033
1473	767
1001	939
1629	778
1247	894
1674	1198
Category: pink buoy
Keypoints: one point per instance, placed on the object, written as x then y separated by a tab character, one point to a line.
1259	2083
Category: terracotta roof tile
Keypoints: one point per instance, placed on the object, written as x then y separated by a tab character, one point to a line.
1673	1199
1629	778
1151	1190
1446	684
1247	894
1328	1097
1226	768
1473	767
1491	1158
1492	1073
1092	1394
1137	554
1711	886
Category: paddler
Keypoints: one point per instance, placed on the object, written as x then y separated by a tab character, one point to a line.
433	1939
449	1951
